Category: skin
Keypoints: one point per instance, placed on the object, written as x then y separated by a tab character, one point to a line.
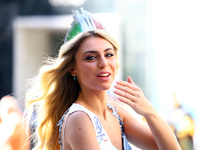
95	58
12	126
162	134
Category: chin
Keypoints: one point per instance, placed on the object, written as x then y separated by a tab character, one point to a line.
106	87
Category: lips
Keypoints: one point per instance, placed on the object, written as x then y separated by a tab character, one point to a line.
103	75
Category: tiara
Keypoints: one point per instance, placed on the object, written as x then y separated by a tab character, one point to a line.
83	22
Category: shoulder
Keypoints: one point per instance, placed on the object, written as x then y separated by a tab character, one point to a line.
79	131
127	116
121	111
78	116
135	130
77	123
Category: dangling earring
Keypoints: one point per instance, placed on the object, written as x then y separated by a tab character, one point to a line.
74	78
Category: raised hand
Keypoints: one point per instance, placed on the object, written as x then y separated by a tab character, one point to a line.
128	93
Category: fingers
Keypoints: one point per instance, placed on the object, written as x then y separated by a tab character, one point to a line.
130	80
125	100
127	91
124	92
123	85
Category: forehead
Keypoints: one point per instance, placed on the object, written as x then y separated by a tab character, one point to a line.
95	43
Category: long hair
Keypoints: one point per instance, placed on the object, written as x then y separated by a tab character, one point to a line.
54	90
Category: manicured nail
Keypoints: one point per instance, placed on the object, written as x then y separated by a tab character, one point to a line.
118	81
118	97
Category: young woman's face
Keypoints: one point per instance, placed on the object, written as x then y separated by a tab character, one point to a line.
95	64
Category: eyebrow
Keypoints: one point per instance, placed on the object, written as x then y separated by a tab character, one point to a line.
93	51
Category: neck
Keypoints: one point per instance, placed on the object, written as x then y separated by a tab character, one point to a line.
96	102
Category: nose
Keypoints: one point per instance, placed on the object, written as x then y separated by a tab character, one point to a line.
102	62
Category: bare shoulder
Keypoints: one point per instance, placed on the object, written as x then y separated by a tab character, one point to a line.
137	132
79	131
126	114
76	117
122	112
116	104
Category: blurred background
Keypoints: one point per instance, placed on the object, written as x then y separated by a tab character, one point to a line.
160	50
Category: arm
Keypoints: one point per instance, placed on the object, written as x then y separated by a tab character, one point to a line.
161	134
80	132
136	132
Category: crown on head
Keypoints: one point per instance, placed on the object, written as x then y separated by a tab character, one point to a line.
83	22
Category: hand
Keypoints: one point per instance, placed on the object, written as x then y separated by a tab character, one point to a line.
128	93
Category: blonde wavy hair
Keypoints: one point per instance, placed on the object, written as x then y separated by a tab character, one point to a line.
54	90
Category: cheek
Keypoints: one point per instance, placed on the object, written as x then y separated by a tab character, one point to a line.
114	64
85	68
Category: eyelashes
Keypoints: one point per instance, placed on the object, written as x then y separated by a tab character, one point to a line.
109	55
90	57
93	57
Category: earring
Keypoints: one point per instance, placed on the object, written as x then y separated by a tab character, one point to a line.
74	77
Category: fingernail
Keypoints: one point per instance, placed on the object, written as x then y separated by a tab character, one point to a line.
118	97
118	81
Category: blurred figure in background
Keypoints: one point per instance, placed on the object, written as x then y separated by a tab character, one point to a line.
183	125
13	134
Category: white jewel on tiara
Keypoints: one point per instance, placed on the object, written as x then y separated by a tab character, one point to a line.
83	22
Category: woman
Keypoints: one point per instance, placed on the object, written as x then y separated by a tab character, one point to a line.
76	84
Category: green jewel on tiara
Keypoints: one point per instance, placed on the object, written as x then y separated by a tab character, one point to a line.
83	22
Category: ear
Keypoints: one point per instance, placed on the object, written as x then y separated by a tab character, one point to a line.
73	72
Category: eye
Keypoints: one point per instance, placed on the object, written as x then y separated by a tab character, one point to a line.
90	57
109	55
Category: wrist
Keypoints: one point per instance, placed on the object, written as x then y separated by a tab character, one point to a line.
151	115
